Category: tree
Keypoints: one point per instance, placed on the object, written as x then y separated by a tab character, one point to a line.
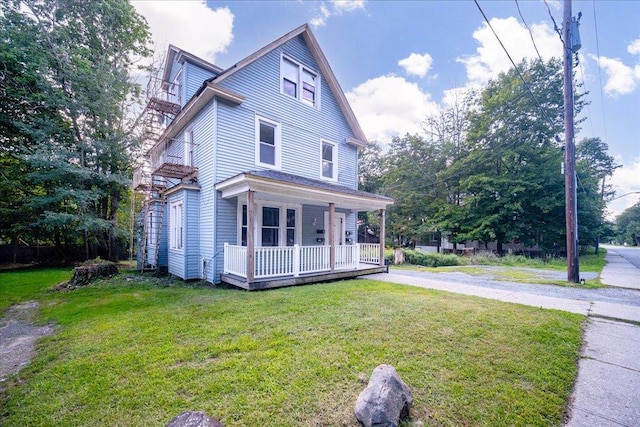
593	165
448	130
512	186
628	225
410	170
77	157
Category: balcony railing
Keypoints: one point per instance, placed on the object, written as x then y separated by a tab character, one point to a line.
293	261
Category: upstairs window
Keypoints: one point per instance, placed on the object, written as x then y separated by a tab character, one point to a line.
328	165
300	82
267	143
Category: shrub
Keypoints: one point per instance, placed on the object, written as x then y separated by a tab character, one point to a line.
427	259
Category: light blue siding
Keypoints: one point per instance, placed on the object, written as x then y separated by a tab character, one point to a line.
193	264
226	230
194	77
302	126
224	138
204	138
186	262
312	221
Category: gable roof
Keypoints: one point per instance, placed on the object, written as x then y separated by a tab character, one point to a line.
360	139
180	56
211	88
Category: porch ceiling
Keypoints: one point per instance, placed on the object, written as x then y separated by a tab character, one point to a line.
280	186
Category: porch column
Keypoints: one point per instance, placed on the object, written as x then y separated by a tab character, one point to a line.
332	243
250	237
382	235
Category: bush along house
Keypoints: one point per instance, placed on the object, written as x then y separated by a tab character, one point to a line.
252	177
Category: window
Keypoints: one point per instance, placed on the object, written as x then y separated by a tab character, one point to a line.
300	82
275	225
270	226
150	233
291	227
329	159
243	232
267	143
289	78
176	226
188	148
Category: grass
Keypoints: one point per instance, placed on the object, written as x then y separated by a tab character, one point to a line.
20	285
138	352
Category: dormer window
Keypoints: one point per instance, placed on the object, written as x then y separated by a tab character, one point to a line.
300	82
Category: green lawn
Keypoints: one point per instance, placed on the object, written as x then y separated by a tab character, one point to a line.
138	352
19	285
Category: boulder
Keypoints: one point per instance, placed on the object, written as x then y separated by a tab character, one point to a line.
194	419
385	401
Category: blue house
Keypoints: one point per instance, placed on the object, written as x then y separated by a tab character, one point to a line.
253	179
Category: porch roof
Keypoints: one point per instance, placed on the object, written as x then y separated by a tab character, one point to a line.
282	186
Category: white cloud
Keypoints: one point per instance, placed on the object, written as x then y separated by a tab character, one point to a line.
389	106
342	6
338	7
490	59
416	64
625	180
321	19
634	47
189	25
621	79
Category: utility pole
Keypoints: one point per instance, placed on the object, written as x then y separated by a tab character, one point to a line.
571	45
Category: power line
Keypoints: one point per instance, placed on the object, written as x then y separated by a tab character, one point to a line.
530	33
555	25
544	115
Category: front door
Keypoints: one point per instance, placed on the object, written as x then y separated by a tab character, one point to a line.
339	227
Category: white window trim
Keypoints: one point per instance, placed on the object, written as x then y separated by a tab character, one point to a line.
278	142
334	160
188	147
282	229
176	230
301	67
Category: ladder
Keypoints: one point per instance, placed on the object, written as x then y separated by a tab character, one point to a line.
158	230
151	233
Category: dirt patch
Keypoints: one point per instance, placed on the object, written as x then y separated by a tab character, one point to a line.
18	337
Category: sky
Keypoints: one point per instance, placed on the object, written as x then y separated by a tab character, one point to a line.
400	61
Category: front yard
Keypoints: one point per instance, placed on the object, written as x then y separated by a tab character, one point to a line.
138	351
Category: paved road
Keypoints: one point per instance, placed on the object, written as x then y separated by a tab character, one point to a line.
630	254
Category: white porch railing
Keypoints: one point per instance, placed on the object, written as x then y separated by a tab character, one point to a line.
295	260
370	253
235	260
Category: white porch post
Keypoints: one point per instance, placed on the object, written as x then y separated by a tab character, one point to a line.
332	243
250	237
382	235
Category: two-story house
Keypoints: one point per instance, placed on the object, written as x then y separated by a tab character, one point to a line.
254	179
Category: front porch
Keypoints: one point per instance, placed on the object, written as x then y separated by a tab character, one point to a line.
292	230
275	267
